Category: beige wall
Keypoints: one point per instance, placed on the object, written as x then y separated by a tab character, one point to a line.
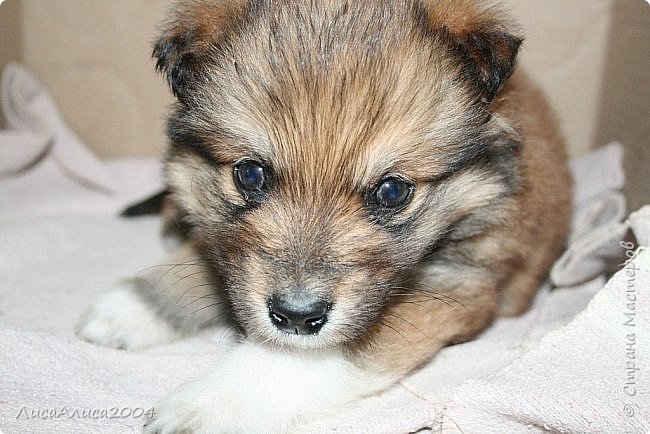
10	41
625	95
94	57
565	50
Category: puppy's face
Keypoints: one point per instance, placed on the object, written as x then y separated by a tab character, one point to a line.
323	152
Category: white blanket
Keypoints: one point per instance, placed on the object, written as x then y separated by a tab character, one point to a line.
568	365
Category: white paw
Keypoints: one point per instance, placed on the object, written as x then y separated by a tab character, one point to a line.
121	319
255	389
195	408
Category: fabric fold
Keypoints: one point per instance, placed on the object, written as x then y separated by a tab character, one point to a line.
28	107
597	223
20	149
594	245
584	377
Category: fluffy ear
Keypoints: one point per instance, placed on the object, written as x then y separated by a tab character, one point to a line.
194	28
480	35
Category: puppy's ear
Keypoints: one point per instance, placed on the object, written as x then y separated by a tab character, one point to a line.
195	27
480	36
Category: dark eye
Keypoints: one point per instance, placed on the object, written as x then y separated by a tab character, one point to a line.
393	192
249	177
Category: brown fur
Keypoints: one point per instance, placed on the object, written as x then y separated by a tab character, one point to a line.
331	96
515	256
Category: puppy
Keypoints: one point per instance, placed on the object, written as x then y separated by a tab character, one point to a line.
365	183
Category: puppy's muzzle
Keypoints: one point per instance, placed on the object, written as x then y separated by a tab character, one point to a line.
303	315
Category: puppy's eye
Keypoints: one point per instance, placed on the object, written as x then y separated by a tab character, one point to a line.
393	192
249	177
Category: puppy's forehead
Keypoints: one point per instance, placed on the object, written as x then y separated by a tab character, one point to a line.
337	94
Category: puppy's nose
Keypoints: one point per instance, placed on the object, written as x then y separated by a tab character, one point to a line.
303	316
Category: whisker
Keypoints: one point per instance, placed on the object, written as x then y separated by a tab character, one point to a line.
208	306
408	322
429	293
198	264
191	288
196	273
203	297
211	320
385	324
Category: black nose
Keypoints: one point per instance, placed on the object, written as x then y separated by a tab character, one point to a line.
302	316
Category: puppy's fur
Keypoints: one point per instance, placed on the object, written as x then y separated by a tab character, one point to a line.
331	98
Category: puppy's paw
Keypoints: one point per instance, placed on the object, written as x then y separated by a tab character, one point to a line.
121	319
196	409
256	389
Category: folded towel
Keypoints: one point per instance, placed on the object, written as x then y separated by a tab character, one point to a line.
597	226
589	376
21	149
28	107
46	170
